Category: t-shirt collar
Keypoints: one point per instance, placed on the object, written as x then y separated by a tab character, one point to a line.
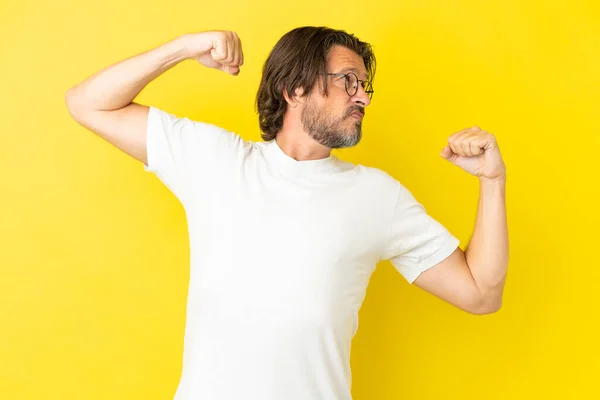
285	161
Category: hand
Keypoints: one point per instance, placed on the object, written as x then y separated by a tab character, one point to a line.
215	49
476	151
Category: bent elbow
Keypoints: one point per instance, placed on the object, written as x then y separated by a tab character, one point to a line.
485	306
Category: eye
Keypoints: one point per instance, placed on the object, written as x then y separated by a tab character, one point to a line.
351	81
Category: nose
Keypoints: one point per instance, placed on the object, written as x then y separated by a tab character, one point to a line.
361	97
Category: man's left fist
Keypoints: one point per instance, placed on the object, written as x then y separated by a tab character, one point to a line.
476	151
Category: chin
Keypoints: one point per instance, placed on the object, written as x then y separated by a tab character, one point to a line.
344	144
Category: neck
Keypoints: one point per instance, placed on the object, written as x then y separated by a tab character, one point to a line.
297	144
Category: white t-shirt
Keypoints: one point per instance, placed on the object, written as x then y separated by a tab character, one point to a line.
281	255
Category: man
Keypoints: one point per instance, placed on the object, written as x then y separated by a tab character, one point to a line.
284	236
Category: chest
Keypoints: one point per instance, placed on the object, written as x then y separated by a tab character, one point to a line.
288	247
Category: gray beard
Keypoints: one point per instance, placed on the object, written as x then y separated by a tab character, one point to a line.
329	132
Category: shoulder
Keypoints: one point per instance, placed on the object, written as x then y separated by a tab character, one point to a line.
372	187
185	125
208	131
379	180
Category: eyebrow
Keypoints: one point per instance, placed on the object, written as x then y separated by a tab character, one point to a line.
357	72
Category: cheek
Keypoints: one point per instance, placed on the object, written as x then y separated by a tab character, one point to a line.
338	107
333	106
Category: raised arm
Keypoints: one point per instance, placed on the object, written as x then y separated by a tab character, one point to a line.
474	280
103	103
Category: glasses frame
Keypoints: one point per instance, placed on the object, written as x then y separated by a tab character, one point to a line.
367	87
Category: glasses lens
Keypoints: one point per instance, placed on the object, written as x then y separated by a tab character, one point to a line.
351	84
368	89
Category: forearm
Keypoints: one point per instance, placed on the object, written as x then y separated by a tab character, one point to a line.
117	86
487	252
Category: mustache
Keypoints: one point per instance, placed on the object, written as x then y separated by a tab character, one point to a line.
355	109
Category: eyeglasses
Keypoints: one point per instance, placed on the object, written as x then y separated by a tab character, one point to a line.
351	83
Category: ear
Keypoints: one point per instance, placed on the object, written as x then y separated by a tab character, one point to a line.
293	101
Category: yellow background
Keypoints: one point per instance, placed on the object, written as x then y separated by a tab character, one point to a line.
94	251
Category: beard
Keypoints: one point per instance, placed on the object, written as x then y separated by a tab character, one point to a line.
332	132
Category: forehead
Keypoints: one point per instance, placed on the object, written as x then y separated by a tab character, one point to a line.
342	59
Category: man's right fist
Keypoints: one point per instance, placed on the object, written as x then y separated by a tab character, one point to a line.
215	49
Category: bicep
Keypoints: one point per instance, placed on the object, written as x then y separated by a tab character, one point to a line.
124	128
451	280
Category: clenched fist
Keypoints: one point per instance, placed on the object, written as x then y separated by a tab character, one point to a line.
475	151
215	49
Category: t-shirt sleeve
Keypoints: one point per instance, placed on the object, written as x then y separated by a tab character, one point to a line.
178	149
416	241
